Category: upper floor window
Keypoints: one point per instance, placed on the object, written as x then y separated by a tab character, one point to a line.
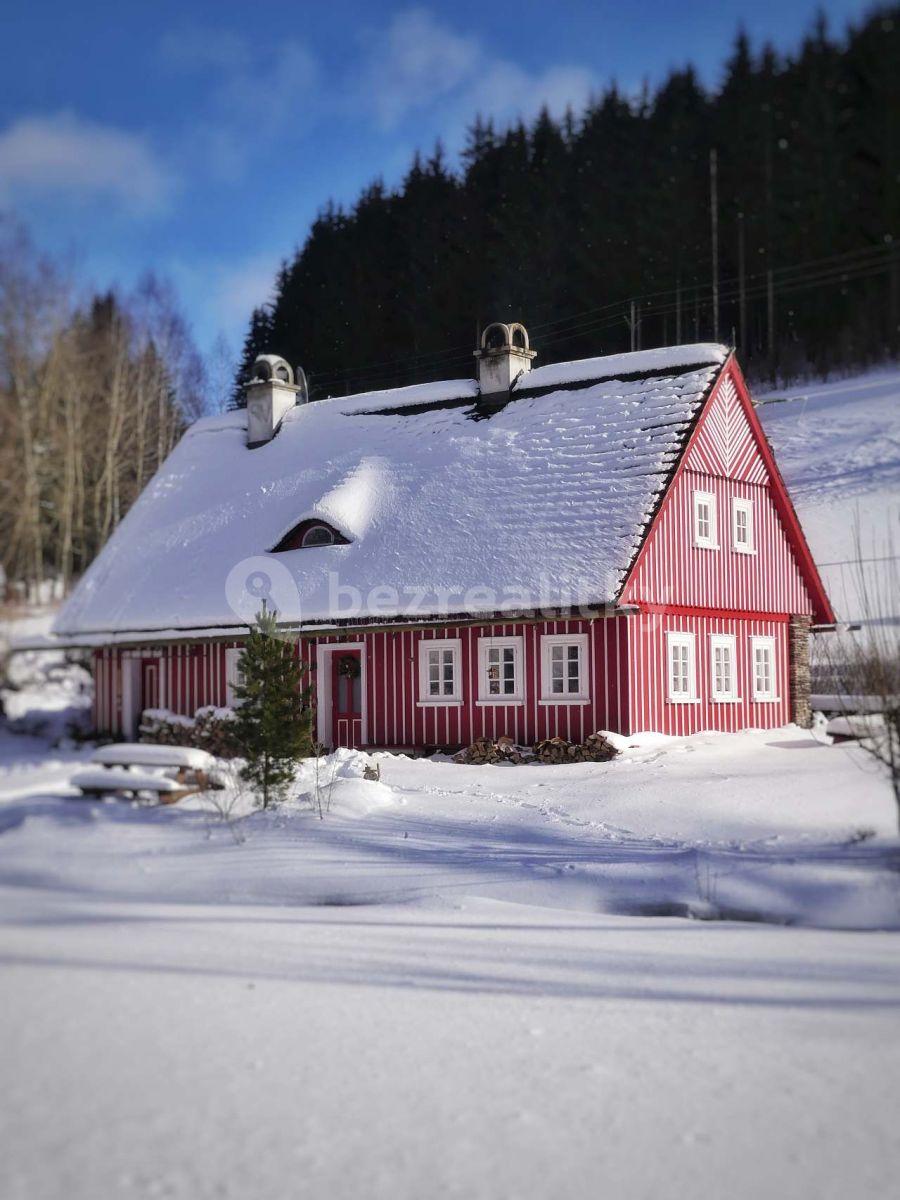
309	534
500	673
681	666
723	667
440	674
564	674
706	532
742	525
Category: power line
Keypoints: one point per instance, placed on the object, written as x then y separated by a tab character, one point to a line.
846	266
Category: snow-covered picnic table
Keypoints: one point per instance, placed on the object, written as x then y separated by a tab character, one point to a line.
175	771
140	754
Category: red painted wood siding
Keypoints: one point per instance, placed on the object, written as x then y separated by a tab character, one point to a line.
651	708
107	684
724	460
192	676
395	717
628	681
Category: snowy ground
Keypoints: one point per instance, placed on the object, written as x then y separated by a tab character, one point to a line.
676	974
437	990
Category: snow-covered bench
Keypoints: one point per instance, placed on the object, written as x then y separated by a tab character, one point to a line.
120	781
119	771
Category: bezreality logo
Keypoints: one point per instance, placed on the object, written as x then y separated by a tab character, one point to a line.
257	583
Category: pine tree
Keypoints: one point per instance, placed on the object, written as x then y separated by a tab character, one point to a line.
258	341
272	726
550	220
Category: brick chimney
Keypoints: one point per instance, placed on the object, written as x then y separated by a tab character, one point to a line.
271	392
504	355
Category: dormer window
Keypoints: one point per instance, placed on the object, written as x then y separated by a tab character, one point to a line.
318	535
309	534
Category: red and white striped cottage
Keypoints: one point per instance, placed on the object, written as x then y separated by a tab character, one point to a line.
601	544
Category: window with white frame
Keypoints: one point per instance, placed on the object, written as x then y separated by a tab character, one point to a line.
233	675
762	655
706	532
440	673
742	525
681	666
723	667
500	673
564	667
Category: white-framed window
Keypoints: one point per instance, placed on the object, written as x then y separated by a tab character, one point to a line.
440	671
232	674
742	525
564	667
762	664
680	657
500	670
723	666
706	531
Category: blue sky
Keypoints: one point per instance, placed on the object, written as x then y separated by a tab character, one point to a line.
199	139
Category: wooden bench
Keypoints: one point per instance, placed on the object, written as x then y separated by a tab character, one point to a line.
118	771
120	781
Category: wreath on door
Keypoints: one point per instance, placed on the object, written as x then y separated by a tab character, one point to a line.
348	665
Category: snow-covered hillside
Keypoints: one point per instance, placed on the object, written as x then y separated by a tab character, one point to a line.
838	446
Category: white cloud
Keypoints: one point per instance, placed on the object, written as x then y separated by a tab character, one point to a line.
418	63
65	154
223	292
415	62
244	286
257	89
506	91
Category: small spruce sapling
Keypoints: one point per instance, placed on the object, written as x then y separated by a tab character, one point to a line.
272	724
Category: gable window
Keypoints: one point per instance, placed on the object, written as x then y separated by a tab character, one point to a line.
564	669
309	534
680	648
440	673
722	667
706	532
500	673
762	656
742	525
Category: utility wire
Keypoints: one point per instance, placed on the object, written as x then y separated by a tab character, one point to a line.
844	267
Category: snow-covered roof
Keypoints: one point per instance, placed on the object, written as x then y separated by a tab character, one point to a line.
449	506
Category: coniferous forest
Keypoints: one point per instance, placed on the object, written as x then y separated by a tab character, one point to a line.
765	212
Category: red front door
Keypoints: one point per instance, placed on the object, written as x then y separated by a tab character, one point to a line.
346	698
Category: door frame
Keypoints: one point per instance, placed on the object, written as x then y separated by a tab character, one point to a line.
323	690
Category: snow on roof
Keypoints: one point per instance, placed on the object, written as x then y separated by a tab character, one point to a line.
542	503
638	362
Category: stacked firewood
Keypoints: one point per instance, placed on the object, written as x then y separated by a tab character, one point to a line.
594	748
484	750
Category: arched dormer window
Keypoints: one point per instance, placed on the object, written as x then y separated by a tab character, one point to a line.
309	534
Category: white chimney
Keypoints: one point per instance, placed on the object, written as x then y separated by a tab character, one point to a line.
271	392
504	356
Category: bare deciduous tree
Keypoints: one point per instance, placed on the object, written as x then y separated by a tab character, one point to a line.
93	396
863	664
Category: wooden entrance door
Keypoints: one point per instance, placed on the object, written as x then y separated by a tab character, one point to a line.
346	698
